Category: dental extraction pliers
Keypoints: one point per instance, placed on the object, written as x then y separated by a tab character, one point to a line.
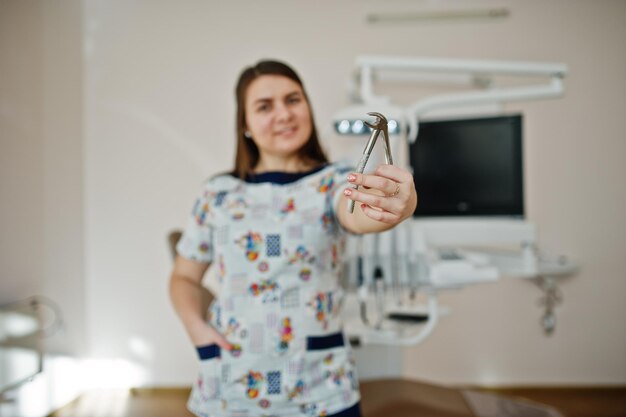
380	125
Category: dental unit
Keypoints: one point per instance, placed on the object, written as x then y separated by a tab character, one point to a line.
408	266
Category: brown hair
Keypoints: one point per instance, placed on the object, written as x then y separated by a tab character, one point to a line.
247	154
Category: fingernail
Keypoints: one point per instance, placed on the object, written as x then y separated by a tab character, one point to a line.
347	191
363	205
351	177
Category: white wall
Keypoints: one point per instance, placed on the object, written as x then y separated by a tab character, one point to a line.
575	150
158	119
41	159
160	79
64	229
41	183
21	151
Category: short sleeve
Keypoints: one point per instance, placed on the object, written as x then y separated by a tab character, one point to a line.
196	242
340	182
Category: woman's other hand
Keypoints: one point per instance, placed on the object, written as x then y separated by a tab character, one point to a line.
189	300
205	334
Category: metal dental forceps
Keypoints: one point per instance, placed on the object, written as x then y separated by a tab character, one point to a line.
380	125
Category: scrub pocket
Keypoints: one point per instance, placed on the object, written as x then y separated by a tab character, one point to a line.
209	379
329	368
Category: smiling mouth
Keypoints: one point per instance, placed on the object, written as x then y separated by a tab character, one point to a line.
287	131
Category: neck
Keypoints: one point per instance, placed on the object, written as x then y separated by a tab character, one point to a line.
269	163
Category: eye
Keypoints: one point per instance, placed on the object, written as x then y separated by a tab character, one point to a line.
294	99
263	107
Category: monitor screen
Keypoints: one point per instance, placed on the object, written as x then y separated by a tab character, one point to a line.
469	167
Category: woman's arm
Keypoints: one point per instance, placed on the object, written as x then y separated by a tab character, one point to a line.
384	198
186	293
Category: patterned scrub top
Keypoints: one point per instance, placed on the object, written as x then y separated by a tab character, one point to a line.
277	249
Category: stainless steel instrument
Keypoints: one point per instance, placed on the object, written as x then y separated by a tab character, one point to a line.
380	125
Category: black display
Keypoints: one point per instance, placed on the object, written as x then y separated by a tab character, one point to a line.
469	167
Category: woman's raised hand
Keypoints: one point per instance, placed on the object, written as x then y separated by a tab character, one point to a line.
387	195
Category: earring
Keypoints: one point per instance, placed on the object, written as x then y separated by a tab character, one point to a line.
247	134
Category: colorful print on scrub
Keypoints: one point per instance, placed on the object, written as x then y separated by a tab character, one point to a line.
278	254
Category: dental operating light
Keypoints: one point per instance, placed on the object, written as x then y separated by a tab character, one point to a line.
404	119
357	127
350	120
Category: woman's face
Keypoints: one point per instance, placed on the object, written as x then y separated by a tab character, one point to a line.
277	115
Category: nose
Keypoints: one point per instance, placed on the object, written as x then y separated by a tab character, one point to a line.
283	112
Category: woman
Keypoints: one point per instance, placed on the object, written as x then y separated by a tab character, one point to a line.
274	229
